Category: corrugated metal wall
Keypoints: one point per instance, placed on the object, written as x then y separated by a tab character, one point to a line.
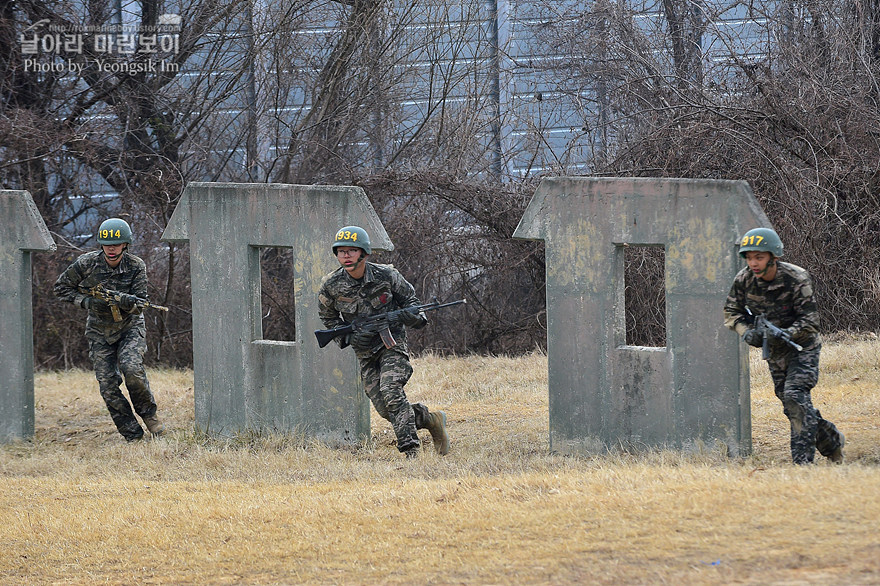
489	76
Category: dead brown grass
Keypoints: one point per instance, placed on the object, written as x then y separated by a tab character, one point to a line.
80	506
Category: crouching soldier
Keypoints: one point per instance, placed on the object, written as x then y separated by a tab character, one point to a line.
783	294
116	334
359	289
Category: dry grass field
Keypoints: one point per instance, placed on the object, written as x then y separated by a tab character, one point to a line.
80	506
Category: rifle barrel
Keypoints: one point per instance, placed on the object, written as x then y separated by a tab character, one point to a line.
432	306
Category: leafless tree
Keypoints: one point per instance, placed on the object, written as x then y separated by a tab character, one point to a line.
403	99
384	89
786	99
312	91
82	116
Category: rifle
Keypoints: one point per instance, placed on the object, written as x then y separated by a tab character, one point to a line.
767	329
114	298
378	323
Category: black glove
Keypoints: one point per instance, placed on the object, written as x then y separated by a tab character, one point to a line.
127	302
94	304
753	337
412	318
362	339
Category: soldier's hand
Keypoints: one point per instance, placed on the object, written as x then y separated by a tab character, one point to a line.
753	337
95	304
787	333
127	302
362	339
412	318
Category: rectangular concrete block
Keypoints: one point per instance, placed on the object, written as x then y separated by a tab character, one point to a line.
242	381
692	393
22	231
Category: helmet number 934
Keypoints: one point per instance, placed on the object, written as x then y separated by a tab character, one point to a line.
753	240
347	235
111	234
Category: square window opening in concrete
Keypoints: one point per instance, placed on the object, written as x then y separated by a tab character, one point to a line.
645	295
277	313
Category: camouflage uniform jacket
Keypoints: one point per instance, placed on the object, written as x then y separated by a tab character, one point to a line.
90	269
342	298
787	301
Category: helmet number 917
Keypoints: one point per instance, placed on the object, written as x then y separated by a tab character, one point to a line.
753	240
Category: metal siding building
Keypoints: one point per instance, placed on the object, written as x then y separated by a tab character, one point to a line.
486	72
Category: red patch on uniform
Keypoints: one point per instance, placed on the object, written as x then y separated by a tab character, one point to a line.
383	298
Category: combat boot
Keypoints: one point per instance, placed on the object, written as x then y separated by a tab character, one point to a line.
837	455
436	424
155	426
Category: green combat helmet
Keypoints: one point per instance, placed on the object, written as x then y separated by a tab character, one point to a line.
114	231
762	240
353	236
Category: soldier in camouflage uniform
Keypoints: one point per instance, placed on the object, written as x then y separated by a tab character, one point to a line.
115	346
358	289
783	292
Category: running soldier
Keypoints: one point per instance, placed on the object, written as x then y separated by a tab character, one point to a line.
116	343
359	289
783	293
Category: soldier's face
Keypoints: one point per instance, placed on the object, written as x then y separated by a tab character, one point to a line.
350	259
113	253
759	262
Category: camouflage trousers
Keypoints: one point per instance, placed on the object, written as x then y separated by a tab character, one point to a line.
794	375
384	375
126	355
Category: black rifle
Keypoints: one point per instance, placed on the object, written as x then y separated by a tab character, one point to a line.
380	323
114	298
767	329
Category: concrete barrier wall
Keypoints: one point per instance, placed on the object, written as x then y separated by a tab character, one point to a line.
691	394
22	231
242	381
